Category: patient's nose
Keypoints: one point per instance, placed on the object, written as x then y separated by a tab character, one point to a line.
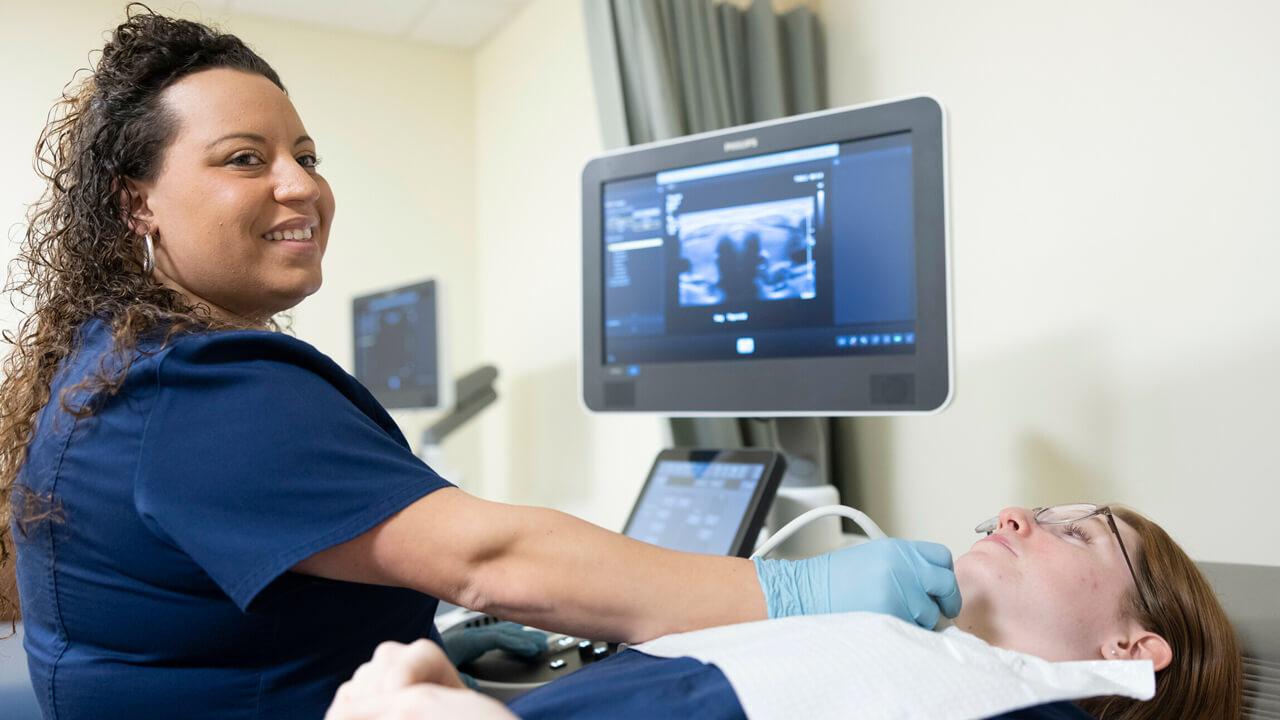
1017	519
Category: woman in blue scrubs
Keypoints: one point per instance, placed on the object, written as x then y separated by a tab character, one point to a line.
211	518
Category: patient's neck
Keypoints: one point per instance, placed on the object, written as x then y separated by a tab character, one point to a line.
975	618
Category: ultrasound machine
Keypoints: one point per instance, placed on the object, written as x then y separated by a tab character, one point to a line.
784	271
787	271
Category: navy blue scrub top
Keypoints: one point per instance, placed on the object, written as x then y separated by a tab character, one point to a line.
161	589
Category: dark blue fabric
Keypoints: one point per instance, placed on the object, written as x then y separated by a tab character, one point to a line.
634	686
162	589
1053	711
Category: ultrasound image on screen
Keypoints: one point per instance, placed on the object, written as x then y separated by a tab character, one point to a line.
798	253
762	251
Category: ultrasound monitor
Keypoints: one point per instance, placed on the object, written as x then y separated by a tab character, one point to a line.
397	346
794	267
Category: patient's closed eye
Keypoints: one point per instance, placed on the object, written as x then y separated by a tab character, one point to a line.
1076	531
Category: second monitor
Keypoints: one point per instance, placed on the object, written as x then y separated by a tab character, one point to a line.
398	354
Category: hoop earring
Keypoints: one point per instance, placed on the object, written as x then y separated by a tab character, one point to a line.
149	262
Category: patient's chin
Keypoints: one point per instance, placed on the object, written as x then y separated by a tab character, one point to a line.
976	573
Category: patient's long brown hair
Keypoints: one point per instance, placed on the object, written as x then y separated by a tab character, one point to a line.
1205	679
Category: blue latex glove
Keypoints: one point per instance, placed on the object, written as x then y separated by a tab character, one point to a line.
910	580
470	643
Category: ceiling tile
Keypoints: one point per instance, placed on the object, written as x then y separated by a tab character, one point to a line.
383	17
462	23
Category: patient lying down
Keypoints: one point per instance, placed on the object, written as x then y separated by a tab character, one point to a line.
1072	583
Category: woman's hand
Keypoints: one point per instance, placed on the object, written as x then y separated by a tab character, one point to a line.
911	580
410	682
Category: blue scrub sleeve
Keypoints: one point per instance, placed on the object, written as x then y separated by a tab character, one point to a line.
260	451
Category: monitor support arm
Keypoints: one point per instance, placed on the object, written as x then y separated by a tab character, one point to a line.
474	392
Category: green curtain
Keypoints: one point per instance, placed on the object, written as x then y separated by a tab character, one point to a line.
665	68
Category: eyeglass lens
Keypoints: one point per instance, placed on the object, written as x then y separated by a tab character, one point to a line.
1066	513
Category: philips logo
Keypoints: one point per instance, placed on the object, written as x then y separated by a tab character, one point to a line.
744	144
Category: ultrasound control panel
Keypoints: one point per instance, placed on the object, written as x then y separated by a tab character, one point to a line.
703	501
505	675
706	501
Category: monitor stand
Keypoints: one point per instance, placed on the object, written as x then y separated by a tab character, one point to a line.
807	483
473	392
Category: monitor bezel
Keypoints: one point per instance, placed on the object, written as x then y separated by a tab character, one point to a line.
775	465
786	387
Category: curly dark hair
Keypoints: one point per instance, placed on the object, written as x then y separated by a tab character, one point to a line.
81	256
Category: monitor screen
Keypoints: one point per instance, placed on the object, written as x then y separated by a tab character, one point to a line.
397	346
706	501
790	267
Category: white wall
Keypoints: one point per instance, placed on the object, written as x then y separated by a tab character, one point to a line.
536	126
395	128
1115	169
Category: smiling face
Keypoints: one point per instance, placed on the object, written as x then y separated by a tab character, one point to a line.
1055	591
238	212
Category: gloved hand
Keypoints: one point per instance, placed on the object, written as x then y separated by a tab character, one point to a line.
910	580
467	644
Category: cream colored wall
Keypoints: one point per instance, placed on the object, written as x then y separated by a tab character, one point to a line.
395	128
442	162
536	126
1114	174
1113	169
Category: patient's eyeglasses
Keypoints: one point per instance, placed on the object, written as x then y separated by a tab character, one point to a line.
1065	515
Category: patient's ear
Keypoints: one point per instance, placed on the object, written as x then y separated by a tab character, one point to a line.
1141	645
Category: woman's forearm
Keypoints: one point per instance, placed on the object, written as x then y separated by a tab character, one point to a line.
561	573
545	568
